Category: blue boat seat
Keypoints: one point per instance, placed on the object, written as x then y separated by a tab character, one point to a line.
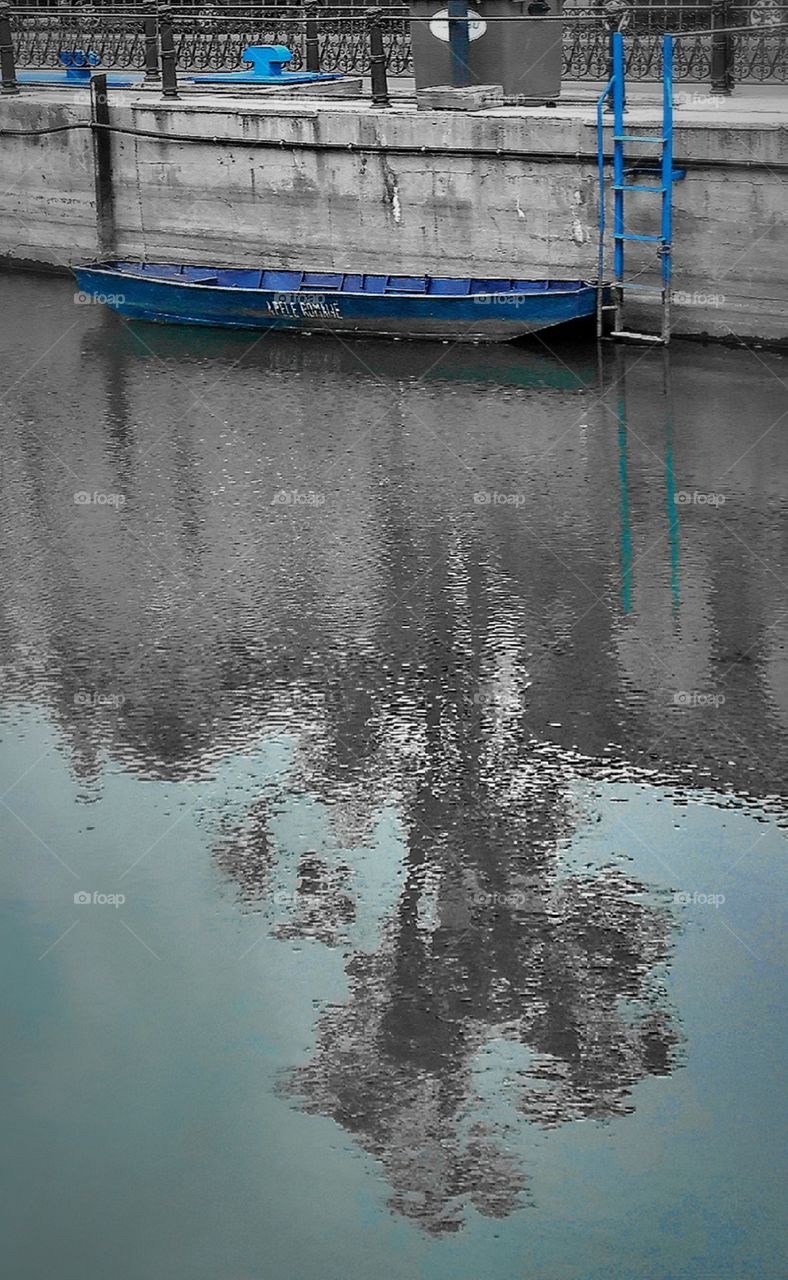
322	280
282	281
407	284
446	285
162	271
131	268
238	278
491	286
199	275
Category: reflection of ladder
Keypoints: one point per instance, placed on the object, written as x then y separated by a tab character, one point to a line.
664	175
616	387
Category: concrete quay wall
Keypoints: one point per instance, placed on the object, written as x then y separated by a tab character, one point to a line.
340	185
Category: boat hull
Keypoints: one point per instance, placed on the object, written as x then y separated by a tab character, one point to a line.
483	317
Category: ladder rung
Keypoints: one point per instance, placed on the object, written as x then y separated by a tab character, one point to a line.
649	288
676	175
636	337
661	190
633	137
628	235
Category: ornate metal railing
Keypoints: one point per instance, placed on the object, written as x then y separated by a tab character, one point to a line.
214	39
206	40
757	50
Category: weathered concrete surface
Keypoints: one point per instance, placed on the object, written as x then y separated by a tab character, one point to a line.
300	182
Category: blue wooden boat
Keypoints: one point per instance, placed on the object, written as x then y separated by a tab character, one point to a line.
459	308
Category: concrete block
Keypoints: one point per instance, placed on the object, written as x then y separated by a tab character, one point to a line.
446	97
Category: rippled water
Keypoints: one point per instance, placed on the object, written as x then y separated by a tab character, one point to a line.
413	720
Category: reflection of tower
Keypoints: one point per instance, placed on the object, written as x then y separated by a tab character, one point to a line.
484	941
508	950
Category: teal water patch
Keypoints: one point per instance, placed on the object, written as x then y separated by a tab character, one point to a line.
150	1040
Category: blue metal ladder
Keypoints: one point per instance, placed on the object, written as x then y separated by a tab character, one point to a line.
665	174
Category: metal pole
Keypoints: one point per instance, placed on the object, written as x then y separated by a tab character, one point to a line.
151	45
618	180
459	43
377	59
312	36
102	155
721	50
666	231
618	157
7	63
600	154
169	75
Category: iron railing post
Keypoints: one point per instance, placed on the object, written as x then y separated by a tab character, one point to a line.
312	38
616	18
377	59
169	74
149	27
721	49
7	61
102	155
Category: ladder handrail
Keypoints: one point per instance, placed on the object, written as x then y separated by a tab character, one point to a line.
618	153
600	153
667	180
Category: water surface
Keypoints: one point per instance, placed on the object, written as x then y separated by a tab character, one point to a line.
413	719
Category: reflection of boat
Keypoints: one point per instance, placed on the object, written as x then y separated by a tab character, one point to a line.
491	365
463	309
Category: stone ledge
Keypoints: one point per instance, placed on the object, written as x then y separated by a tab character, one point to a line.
448	97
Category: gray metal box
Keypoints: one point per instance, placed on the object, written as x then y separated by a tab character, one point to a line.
524	57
